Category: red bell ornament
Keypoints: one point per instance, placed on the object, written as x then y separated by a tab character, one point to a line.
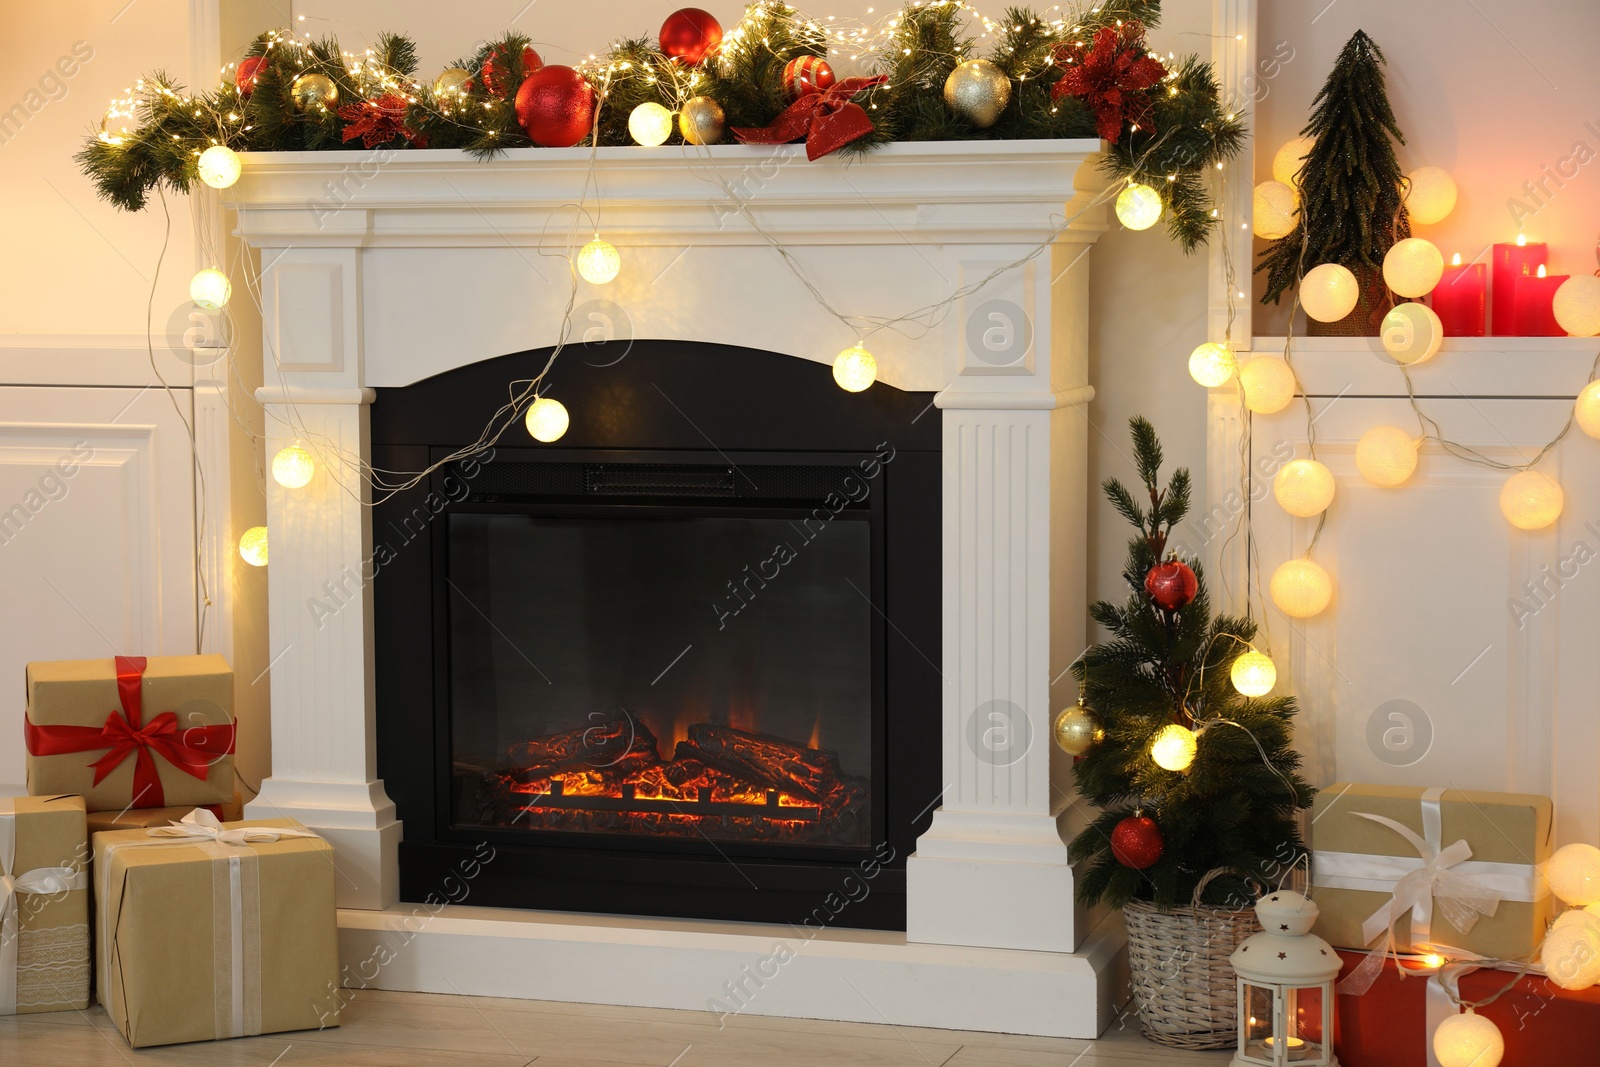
555	106
1171	585
690	34
1137	842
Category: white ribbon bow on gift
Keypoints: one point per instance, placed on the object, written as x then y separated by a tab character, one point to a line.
43	880
201	825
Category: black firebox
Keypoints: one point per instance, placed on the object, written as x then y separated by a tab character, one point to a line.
682	661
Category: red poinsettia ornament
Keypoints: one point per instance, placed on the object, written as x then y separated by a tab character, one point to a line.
1112	78
379	121
1171	585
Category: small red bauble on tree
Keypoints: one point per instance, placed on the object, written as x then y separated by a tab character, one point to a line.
248	73
556	107
1137	842
496	69
804	75
690	34
1171	585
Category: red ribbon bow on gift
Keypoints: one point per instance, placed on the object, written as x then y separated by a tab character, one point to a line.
192	750
828	120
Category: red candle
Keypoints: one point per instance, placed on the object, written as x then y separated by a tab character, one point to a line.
1461	297
1533	301
1511	262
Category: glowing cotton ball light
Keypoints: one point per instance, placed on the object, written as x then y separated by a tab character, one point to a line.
1213	364
1413	267
1301	588
1411	333
1274	210
1577	305
1268	383
293	467
1587	409
253	546
855	369
1468	1040
1571	951
218	166
1329	292
1303	488
1253	674
650	124
1574	874
1386	456
210	289
1531	500
547	419
1430	195
1138	206
598	262
1174	747
1288	161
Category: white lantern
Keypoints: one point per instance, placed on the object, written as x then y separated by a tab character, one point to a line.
1274	210
854	369
1531	500
1213	364
1587	409
1301	588
253	546
1138	207
1468	1040
1174	747
546	419
1577	305
1253	674
1411	333
1574	874
1288	161
599	261
1285	987
218	166
650	124
1386	455
1268	383
1413	267
1571	950
210	289
1430	195
1303	488
1329	292
293	467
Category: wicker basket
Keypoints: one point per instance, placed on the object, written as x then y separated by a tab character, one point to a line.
1182	983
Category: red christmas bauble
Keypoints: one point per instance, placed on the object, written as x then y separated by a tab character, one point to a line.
1171	584
496	70
690	34
804	75
1137	842
555	105
248	73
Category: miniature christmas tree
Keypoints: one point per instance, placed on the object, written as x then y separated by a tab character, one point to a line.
1226	788
1352	206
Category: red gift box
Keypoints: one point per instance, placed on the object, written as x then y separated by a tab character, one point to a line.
1387	1026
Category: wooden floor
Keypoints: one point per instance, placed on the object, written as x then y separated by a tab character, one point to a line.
423	1030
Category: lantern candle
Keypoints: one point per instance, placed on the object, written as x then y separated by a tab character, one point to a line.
1510	263
1533	305
1461	298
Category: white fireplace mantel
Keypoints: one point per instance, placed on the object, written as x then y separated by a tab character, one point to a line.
382	269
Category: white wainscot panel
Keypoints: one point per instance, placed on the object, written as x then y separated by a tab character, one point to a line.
96	534
1459	651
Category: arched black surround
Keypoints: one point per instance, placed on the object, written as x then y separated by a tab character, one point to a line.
711	404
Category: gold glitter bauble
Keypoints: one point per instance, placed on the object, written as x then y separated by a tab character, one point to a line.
452	81
314	90
701	121
978	91
1076	731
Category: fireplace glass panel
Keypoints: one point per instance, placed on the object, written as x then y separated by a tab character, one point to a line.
694	677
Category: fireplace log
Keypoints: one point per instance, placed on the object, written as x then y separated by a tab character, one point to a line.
612	744
762	760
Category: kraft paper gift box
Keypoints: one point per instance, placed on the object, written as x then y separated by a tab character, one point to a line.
215	930
44	905
132	732
144	818
1454	857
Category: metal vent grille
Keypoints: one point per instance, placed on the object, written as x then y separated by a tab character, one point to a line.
510	483
659	479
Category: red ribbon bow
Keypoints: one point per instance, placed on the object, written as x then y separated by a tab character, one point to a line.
192	750
828	120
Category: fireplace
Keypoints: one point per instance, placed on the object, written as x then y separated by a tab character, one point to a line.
662	676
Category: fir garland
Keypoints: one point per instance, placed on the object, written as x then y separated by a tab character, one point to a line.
1186	135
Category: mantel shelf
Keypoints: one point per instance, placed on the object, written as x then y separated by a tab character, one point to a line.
1465	367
